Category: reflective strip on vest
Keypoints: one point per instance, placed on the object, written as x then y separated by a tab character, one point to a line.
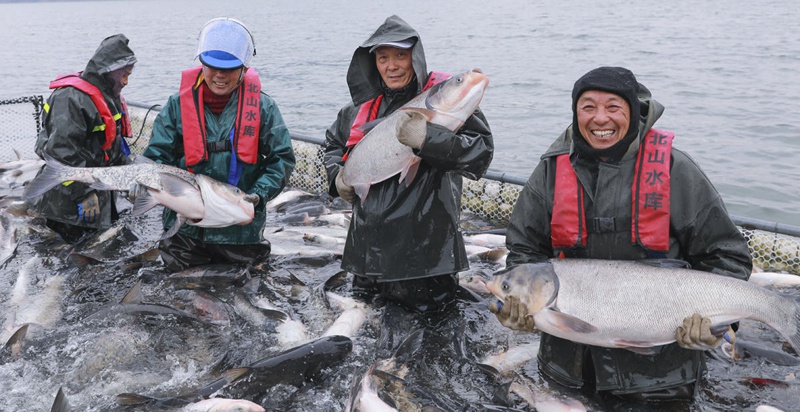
247	125
650	198
109	125
369	111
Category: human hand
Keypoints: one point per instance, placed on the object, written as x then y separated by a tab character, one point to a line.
513	314
411	129
346	191
252	198
696	334
136	190
89	208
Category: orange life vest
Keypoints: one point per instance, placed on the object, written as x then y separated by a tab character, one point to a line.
109	120
650	198
246	126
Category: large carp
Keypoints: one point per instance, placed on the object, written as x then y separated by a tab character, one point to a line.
629	304
379	155
198	199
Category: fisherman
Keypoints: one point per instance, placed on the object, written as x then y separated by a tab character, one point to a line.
85	121
613	187
404	241
222	125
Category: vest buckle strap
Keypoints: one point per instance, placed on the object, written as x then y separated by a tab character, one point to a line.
603	225
221	146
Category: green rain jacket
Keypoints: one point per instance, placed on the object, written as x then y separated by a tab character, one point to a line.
701	233
407	232
72	135
266	178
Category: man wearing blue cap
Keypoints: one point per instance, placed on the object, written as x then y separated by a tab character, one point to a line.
222	125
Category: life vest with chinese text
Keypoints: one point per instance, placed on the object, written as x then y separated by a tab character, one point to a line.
650	202
109	126
369	111
246	125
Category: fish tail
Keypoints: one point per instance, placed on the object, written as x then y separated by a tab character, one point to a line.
49	177
232	375
794	338
133	399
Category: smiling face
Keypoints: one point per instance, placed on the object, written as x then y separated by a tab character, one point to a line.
603	118
221	82
394	65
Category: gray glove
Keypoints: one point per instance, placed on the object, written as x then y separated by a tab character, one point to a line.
513	314
89	208
346	192
696	334
252	198
136	190
411	129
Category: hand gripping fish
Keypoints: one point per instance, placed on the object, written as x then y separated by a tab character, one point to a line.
379	155
633	305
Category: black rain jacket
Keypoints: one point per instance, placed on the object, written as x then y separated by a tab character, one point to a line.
701	233
68	135
409	232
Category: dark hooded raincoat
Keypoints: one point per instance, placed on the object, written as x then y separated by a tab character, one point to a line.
72	135
700	233
409	232
266	178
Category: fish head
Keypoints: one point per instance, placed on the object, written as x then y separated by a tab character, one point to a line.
224	204
535	284
451	102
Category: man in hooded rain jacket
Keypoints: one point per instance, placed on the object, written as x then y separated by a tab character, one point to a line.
404	242
85	121
222	125
613	187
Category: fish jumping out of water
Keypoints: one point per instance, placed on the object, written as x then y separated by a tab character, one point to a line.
379	155
634	305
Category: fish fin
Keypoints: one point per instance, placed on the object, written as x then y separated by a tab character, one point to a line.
142	204
47	178
232	375
133	399
139	159
13	346
81	260
410	345
60	404
180	220
427	113
366	127
361	189
409	172
648	351
774	356
570	323
135	294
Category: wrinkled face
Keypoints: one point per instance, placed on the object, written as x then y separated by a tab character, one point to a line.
222	82
603	118
394	65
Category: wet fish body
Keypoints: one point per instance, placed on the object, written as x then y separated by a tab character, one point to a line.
379	155
628	304
223	405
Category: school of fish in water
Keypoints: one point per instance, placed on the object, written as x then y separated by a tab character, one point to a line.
100	326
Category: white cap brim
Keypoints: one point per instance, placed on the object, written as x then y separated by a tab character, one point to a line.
405	44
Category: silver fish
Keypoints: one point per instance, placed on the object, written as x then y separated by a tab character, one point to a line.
379	155
633	305
198	199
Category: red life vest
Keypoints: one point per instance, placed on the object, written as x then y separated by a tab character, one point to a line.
650	198
109	120
369	111
247	124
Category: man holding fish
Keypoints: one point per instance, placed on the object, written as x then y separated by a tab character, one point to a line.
84	123
399	151
222	125
612	187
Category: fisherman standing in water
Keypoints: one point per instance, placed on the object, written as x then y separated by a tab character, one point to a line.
85	122
613	187
404	243
222	125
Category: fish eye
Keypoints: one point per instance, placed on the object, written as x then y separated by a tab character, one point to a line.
459	79
506	286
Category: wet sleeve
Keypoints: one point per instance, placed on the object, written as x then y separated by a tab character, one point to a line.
469	150
708	238
277	154
528	233
335	147
166	141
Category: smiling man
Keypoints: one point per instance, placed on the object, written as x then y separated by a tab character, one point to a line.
613	187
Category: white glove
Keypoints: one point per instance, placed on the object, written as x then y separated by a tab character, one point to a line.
696	334
513	314
346	192
411	129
